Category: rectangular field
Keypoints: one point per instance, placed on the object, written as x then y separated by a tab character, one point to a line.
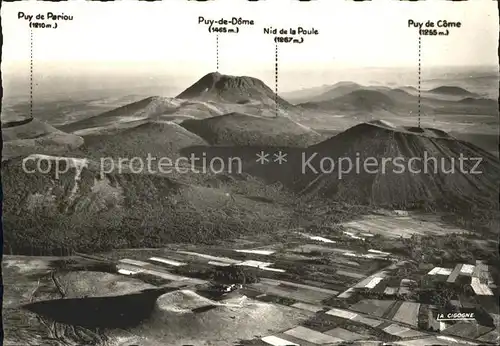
440	271
298	294
276	341
345	334
350	274
210	257
396	226
134	262
407	313
312	336
315	248
342	313
492	337
368	321
127	269
373	307
411	333
467	330
293	341
150	269
307	307
334	286
264	252
306	287
467	269
373	282
395	329
455	273
167	261
347	293
424	342
479	288
389	313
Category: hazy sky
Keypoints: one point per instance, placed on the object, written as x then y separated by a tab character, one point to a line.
164	38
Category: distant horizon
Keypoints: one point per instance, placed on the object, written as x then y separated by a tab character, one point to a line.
153	38
140	44
17	85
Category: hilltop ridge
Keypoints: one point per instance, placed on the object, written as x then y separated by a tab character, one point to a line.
441	185
250	130
451	90
234	89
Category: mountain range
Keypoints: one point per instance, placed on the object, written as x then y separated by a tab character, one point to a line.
355	99
227	116
87	187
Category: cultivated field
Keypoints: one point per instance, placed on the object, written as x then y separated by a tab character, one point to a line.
401	226
345	334
373	307
467	329
408	313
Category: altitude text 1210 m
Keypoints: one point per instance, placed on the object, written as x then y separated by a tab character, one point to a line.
38	25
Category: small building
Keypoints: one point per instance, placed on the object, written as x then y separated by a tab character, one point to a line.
390	291
408	283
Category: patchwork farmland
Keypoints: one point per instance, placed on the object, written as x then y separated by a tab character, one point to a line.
353	293
399	226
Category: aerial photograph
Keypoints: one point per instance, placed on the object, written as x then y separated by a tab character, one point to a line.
250	173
